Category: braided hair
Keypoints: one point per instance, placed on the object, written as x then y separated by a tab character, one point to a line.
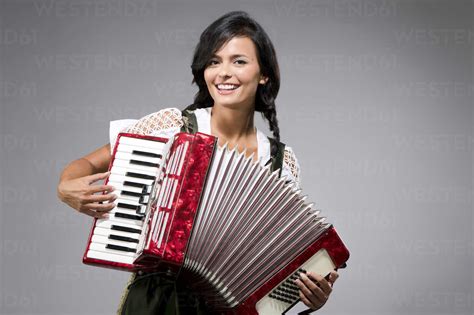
228	26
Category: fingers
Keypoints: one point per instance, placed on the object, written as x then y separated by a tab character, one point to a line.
99	198
92	213
98	207
100	188
95	177
312	290
333	275
321	282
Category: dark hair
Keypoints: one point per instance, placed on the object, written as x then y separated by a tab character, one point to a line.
228	26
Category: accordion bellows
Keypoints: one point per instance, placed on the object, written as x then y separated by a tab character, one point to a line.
233	227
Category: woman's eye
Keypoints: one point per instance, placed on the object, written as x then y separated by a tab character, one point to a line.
213	62
240	62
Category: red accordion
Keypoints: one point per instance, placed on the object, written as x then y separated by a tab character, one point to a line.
186	205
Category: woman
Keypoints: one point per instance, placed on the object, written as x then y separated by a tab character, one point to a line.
236	71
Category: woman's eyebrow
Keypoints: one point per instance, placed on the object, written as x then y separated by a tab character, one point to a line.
231	56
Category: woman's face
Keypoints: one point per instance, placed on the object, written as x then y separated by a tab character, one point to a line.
233	74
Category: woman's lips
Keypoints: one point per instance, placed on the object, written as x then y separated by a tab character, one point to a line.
226	89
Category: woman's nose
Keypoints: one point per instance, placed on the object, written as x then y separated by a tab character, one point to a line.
225	71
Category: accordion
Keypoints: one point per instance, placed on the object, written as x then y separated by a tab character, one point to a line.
188	206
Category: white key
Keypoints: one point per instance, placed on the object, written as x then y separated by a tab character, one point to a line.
130	156
107	232
121	186
102	248
155	145
110	257
120	176
148	170
99	239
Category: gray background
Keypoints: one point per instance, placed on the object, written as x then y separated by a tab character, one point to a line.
376	101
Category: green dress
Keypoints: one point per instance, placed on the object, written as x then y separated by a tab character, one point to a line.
154	294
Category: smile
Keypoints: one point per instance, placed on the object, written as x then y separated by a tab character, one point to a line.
227	87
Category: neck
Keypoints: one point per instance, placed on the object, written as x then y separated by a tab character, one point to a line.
232	124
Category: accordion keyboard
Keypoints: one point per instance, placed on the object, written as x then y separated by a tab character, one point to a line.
286	294
134	169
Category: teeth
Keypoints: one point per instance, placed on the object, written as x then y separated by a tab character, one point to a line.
227	86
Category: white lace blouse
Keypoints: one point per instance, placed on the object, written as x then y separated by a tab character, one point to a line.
167	122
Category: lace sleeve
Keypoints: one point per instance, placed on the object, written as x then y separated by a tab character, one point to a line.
291	168
164	122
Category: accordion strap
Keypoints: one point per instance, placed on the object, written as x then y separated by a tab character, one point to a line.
190	125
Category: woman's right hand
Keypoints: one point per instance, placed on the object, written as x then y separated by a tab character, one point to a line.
82	195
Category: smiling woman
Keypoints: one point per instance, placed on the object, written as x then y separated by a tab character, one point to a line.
236	70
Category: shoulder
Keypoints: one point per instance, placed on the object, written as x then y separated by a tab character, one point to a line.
165	119
290	167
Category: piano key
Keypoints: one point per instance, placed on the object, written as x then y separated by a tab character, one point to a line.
107	241
126	148
128	216
140	175
144	200
107	223
116	227
106	232
155	145
120	221
106	249
125	198
120	248
131	156
123	238
135	187
131	193
118	177
148	154
114	257
137	168
144	163
125	204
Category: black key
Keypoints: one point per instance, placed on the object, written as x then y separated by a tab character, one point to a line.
123	238
138	185
138	175
128	206
128	216
149	154
143	163
125	229
121	248
131	193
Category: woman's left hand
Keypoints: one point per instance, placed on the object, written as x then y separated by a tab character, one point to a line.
315	289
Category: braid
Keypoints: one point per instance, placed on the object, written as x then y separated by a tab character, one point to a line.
271	116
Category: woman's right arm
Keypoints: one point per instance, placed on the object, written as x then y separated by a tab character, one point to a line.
76	184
